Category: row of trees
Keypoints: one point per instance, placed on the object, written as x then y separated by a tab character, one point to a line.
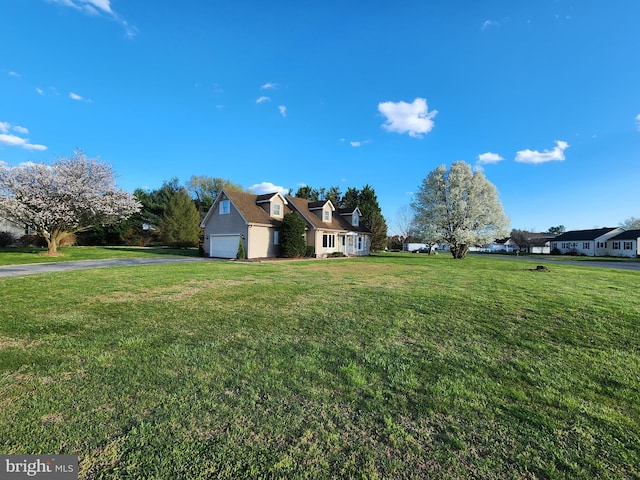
78	195
457	207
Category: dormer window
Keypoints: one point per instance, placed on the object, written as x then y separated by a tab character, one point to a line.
277	210
327	216
356	220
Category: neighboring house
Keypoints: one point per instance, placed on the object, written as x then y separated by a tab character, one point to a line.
7	226
503	245
625	244
256	220
592	243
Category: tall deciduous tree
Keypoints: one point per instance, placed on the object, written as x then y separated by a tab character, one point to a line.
631	223
69	196
460	208
180	225
205	190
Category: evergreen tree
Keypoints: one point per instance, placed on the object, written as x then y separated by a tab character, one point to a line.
334	194
292	241
367	201
350	198
308	193
180	225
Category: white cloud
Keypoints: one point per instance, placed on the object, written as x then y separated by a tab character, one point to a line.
412	118
11	140
534	156
40	91
269	86
355	144
263	99
489	157
15	141
87	6
14	74
638	122
98	8
267	187
359	143
78	98
489	23
283	110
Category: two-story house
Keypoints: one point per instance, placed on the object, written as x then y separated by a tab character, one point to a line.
256	220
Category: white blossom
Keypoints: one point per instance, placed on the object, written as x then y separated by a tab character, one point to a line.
71	195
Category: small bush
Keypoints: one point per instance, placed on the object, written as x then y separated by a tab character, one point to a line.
68	240
6	239
309	251
555	251
241	253
32	241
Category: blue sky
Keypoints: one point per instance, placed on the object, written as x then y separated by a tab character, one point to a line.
544	96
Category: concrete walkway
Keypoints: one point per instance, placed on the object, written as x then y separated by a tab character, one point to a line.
37	268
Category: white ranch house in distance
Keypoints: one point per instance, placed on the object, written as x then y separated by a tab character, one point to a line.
16	230
598	242
256	221
625	244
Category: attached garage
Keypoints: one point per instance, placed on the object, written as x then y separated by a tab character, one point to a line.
223	246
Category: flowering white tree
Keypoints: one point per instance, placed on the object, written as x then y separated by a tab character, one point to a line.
459	208
71	195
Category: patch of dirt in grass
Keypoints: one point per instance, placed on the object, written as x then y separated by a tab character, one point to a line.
53	418
173	292
18	343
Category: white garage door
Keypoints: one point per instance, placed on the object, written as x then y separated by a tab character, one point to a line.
223	246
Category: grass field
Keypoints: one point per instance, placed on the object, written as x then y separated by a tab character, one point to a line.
396	366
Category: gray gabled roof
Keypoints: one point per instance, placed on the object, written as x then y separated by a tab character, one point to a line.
627	235
579	235
305	207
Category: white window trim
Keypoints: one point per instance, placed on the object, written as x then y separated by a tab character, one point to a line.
225	207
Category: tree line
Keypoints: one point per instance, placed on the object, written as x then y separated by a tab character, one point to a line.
78	197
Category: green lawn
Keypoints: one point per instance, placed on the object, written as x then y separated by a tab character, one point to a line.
15	256
397	366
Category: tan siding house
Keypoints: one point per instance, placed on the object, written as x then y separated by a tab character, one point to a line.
256	220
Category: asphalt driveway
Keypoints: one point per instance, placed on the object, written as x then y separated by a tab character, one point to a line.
37	268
